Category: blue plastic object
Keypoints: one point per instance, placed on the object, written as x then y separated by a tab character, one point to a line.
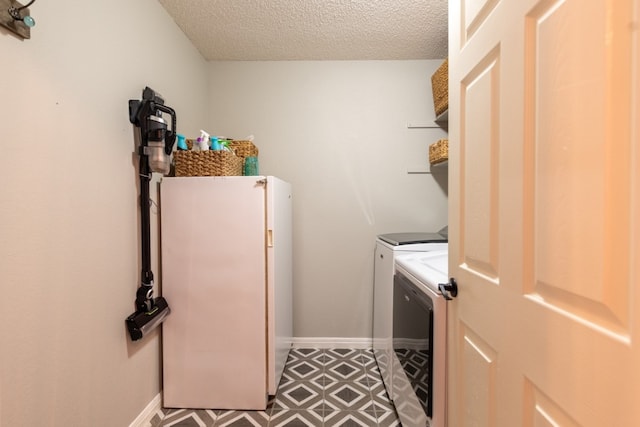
215	144
182	144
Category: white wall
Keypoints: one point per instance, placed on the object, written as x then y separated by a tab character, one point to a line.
69	251
338	132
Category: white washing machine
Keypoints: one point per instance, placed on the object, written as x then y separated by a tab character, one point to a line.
388	247
420	338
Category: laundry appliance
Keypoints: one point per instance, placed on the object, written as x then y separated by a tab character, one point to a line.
420	296
388	247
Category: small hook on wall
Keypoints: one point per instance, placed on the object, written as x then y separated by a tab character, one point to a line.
16	18
27	20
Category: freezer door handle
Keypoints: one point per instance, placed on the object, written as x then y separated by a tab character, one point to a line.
270	238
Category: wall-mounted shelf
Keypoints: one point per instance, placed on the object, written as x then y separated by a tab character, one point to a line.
428	168
440	122
433	125
441	165
443	120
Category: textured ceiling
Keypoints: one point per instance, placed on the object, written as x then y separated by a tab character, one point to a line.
249	30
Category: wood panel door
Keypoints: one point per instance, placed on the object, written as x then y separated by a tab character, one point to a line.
544	170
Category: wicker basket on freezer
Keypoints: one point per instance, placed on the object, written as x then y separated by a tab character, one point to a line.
440	88
439	151
244	148
207	163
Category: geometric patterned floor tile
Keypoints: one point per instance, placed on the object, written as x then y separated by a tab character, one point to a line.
350	419
242	419
369	360
189	418
302	370
339	387
352	396
370	364
381	398
293	418
306	353
388	419
345	370
299	395
158	416
343	353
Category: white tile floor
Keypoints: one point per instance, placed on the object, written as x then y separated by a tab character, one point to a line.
319	387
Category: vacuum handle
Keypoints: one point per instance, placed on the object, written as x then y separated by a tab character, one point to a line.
170	135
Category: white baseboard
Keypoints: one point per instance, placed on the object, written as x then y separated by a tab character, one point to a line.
144	419
331	342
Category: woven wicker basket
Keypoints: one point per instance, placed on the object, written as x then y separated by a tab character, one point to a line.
440	88
244	148
207	163
439	151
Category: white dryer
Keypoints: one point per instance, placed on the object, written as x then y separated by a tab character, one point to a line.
388	247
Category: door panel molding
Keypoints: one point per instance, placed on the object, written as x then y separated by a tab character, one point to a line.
478	367
479	157
577	170
540	410
474	14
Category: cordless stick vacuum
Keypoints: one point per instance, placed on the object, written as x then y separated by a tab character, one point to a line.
156	144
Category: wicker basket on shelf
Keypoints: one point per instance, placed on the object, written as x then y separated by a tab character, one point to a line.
440	88
207	163
439	151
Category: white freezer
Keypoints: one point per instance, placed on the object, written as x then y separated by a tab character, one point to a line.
226	274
